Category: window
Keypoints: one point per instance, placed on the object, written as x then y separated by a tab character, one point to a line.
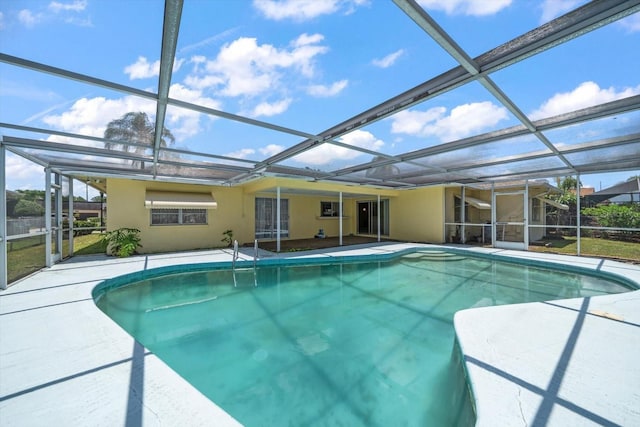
457	212
178	216
535	209
329	209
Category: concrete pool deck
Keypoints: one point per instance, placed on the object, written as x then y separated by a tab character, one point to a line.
64	362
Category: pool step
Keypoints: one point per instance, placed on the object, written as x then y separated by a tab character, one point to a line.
435	256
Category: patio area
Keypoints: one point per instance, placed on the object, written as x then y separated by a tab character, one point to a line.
297	245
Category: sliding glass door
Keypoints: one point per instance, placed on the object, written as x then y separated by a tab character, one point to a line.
368	220
266	214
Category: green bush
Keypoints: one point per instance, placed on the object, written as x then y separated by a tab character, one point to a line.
122	242
618	216
228	237
28	208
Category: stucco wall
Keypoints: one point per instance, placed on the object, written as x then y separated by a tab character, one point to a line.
418	215
414	215
305	219
125	204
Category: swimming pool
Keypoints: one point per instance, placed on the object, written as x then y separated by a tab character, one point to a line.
359	343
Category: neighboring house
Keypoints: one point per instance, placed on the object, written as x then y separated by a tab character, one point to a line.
84	210
625	192
175	216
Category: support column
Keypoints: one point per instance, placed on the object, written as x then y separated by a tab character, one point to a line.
3	217
463	217
493	215
58	210
47	217
70	217
526	215
278	219
578	212
340	216
379	215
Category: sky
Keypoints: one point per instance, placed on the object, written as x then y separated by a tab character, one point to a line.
306	65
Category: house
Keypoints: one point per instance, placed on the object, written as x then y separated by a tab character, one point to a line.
85	210
177	216
624	192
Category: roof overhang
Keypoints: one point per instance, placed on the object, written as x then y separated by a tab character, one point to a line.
555	204
477	203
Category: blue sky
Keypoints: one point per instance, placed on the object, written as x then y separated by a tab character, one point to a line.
306	65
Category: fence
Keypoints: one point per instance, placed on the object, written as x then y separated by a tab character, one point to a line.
17	226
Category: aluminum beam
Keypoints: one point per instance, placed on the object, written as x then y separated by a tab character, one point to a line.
170	29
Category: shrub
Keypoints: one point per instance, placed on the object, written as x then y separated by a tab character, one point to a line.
122	242
228	237
619	216
28	208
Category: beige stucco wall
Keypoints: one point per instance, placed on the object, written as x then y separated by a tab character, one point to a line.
304	215
125	204
418	215
414	215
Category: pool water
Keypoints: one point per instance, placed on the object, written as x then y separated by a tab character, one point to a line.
344	344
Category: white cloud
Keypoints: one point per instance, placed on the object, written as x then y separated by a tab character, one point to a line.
631	23
208	41
585	95
388	60
185	123
90	116
466	7
21	174
28	18
324	91
243	153
327	153
271	150
75	6
462	121
61	11
2	24
297	10
246	68
271	109
305	39
143	69
553	8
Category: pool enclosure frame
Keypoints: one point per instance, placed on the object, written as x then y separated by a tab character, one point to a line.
398	172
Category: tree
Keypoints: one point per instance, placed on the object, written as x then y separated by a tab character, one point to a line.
134	128
31	195
382	172
568	187
28	208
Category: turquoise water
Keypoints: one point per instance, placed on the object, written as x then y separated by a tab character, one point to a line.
366	343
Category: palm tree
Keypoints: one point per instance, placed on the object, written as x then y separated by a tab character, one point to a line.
382	172
134	133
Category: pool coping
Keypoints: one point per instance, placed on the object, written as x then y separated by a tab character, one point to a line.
62	361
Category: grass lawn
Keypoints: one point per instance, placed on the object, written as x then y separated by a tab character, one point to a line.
589	246
28	255
88	244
